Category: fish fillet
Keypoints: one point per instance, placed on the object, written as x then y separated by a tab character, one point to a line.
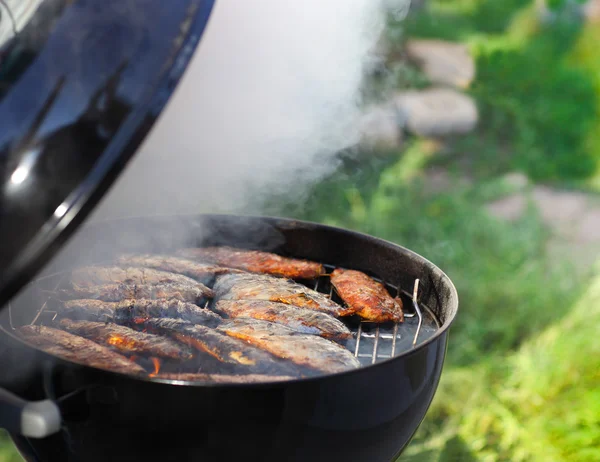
298	319
77	349
305	350
256	262
366	297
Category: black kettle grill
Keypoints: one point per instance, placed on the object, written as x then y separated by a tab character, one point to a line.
81	84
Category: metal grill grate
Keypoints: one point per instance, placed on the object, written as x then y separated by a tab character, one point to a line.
377	342
372	342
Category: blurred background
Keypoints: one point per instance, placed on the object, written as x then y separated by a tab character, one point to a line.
481	151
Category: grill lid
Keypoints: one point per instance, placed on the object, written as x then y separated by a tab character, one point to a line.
81	84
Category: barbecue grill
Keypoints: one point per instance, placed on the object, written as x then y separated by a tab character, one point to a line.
103	101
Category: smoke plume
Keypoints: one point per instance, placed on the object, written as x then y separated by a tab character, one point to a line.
272	94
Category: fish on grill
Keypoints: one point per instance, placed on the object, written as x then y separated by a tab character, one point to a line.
77	349
193	269
224	349
132	311
366	297
126	340
298	319
220	378
305	350
89	276
256	262
195	293
263	287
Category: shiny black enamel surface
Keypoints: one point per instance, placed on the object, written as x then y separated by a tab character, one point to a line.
365	415
80	85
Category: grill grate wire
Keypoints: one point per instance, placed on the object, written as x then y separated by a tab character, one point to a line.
383	335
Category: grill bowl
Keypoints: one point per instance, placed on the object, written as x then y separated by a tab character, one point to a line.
368	414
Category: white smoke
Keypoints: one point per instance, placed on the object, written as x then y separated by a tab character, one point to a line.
271	95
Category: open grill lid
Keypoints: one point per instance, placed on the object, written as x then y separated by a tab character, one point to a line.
81	84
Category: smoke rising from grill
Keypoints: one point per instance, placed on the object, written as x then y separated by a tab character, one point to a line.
272	94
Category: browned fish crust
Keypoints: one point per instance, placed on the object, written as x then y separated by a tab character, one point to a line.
221	347
298	319
89	276
198	271
77	349
263	287
256	262
306	350
127	340
219	378
118	292
132	311
366	297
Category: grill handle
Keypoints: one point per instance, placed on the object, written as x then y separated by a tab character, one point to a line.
32	419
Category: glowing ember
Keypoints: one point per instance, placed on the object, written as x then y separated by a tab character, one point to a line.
121	343
156	363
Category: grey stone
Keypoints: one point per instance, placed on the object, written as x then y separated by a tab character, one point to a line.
516	180
560	210
509	208
380	129
588	230
437	112
443	62
591	10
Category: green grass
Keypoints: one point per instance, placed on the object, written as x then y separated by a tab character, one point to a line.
7	451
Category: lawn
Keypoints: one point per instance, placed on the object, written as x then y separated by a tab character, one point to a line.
522	377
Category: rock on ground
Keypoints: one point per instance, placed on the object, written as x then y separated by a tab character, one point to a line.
437	112
380	128
509	208
443	62
561	211
591	10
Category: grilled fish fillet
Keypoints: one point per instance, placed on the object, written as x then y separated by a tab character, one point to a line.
256	262
118	292
219	378
198	271
305	350
77	349
297	319
262	287
221	347
127	340
366	297
89	276
132	311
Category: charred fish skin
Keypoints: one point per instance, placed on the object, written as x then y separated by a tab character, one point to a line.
224	379
224	349
89	276
127	312
298	319
366	297
305	350
269	288
117	292
199	271
127	340
256	261
77	349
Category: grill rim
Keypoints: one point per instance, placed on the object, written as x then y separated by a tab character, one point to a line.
451	306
